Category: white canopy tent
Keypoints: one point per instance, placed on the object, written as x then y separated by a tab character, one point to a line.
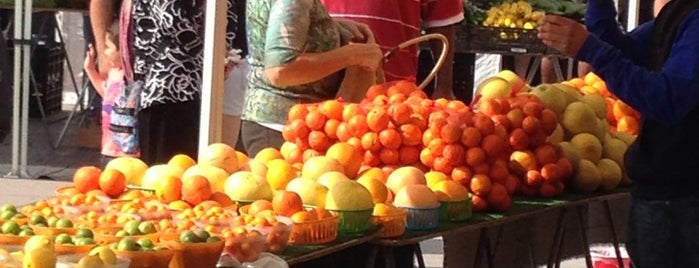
212	86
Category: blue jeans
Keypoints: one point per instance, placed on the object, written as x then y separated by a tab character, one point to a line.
664	233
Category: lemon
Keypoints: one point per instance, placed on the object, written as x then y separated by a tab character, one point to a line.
105	254
40	258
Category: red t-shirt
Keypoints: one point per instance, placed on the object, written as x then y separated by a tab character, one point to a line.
396	21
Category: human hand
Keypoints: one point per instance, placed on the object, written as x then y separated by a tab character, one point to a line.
89	63
355	31
563	34
367	56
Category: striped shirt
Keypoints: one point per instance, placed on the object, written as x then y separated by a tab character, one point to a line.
396	21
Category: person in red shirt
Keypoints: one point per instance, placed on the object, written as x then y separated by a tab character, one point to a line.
396	21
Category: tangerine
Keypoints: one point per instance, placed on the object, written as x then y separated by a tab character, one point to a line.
112	182
87	178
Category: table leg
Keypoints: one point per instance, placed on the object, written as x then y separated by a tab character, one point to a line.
488	251
532	70
479	247
389	258
372	256
583	237
557	69
418	255
560	225
530	248
615	238
559	253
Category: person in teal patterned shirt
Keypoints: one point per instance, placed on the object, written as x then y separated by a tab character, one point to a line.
296	57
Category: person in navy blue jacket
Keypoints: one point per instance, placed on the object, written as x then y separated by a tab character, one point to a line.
655	69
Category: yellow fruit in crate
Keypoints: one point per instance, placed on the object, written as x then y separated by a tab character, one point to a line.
434	177
403	176
154	173
247	186
215	175
38	241
182	161
451	191
348	195
311	192
348	155
416	196
40	258
588	146
383	209
577	118
319	165
378	190
220	155
279	173
610	172
90	261
132	168
588	177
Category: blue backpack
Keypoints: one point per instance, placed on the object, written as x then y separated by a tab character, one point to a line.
124	118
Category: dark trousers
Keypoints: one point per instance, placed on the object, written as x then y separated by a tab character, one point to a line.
168	129
257	137
664	233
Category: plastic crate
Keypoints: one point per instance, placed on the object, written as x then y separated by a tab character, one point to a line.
499	40
47	61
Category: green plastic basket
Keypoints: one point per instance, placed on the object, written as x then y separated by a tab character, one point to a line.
354	221
455	210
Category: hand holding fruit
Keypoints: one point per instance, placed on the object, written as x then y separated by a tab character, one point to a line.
563	34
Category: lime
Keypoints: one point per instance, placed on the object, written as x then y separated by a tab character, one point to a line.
145	243
84	232
131	227
51	221
189	237
213	239
11	227
63	239
81	241
9	207
64	223
127	244
27	232
122	233
203	235
19	216
6	215
147	227
38	220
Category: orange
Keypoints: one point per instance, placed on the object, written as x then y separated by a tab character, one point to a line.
590	78
551	172
565	166
331	128
461	175
409	155
533	108
493	145
516	116
534	178
315	120
298	111
519	140
318	140
378	118
357	125
498	198
390	138
267	154
87	178
332	109
389	156
436	146
450	133
480	184
531	124
182	160
454	153
242	158
375	91
112	182
308	154
589	89
196	189
499	171
222	199
259	206
621	109
397	98
442	164
479	204
168	188
475	156
490	107
370	141
523	161
484	124
400	113
427	157
377	189
349	157
512	184
411	135
296	129
429	135
471	137
286	203
577	82
545	154
628	124
374	173
371	158
350	110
